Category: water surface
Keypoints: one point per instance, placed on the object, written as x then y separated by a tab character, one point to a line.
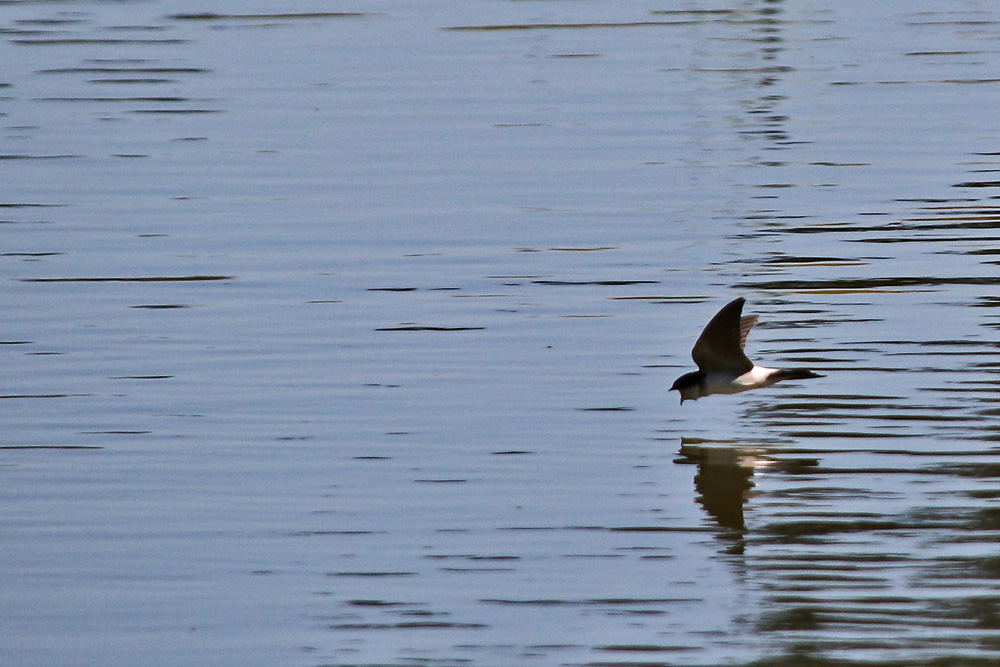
341	335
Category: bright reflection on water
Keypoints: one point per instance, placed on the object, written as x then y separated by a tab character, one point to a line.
341	335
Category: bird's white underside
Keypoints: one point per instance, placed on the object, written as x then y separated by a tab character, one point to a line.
726	383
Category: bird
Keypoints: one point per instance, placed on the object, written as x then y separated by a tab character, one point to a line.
723	366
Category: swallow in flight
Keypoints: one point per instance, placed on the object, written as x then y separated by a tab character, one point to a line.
723	367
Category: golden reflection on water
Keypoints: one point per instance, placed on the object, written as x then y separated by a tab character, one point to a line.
724	480
847	559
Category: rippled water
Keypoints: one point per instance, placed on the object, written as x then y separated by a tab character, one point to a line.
342	335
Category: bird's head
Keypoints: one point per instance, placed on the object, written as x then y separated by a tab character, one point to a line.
689	386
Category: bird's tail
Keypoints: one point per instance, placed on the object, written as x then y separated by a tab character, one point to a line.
794	374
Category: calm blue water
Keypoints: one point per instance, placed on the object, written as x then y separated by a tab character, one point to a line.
345	339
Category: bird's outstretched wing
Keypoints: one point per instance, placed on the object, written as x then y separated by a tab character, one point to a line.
720	345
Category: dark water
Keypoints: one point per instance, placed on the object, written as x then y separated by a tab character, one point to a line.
341	335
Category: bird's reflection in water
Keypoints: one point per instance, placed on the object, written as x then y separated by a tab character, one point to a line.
724	481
